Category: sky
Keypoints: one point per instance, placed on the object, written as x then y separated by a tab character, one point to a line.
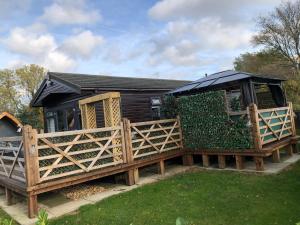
172	39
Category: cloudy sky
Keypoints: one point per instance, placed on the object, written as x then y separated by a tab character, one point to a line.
179	39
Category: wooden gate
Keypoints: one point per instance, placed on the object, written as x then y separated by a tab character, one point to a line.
12	158
275	124
154	137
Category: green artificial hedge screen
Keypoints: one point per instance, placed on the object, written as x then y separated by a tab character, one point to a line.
207	125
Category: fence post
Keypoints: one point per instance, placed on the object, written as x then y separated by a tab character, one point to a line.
130	179
31	166
187	159
255	126
292	119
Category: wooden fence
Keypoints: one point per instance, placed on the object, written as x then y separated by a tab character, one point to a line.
53	156
12	158
272	125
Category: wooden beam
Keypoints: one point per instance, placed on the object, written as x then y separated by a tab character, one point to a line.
205	159
32	205
98	98
276	156
259	163
255	127
289	150
161	167
239	160
222	161
8	196
188	160
136	175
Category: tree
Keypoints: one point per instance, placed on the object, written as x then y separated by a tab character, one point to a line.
29	78
268	62
9	96
271	63
17	88
280	30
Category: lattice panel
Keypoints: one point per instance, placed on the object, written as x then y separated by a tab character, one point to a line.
275	124
91	116
155	137
12	158
107	113
73	152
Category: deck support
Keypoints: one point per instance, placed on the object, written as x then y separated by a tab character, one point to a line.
259	163
32	205
130	178
295	148
205	160
136	175
239	160
289	150
188	160
222	161
9	196
276	156
161	167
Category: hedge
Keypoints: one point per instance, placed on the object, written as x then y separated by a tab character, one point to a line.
206	124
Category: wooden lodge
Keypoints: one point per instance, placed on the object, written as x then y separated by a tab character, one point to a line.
97	126
59	95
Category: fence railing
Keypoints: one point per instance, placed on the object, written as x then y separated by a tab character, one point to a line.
273	124
12	158
67	153
38	158
155	137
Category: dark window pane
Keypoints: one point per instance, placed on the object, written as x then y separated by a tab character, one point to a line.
70	119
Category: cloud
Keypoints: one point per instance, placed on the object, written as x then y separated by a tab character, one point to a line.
13	7
66	12
32	45
83	44
24	41
228	10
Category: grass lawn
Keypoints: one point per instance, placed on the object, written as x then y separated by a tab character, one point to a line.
208	197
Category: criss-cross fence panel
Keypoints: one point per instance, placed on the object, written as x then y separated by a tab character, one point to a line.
154	137
275	124
12	158
63	154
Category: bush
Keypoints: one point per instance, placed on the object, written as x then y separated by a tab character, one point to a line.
207	125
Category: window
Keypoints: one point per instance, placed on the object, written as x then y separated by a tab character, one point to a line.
50	120
234	100
156	108
70	114
61	120
264	97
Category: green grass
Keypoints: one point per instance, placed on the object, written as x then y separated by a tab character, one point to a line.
4	216
204	198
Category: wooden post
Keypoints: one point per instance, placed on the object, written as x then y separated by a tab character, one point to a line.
161	167
239	160
187	160
295	148
292	119
180	131
259	163
276	156
9	196
255	126
205	160
289	150
222	161
128	150
136	175
31	166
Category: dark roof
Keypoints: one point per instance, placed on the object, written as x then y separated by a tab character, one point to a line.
222	77
85	81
